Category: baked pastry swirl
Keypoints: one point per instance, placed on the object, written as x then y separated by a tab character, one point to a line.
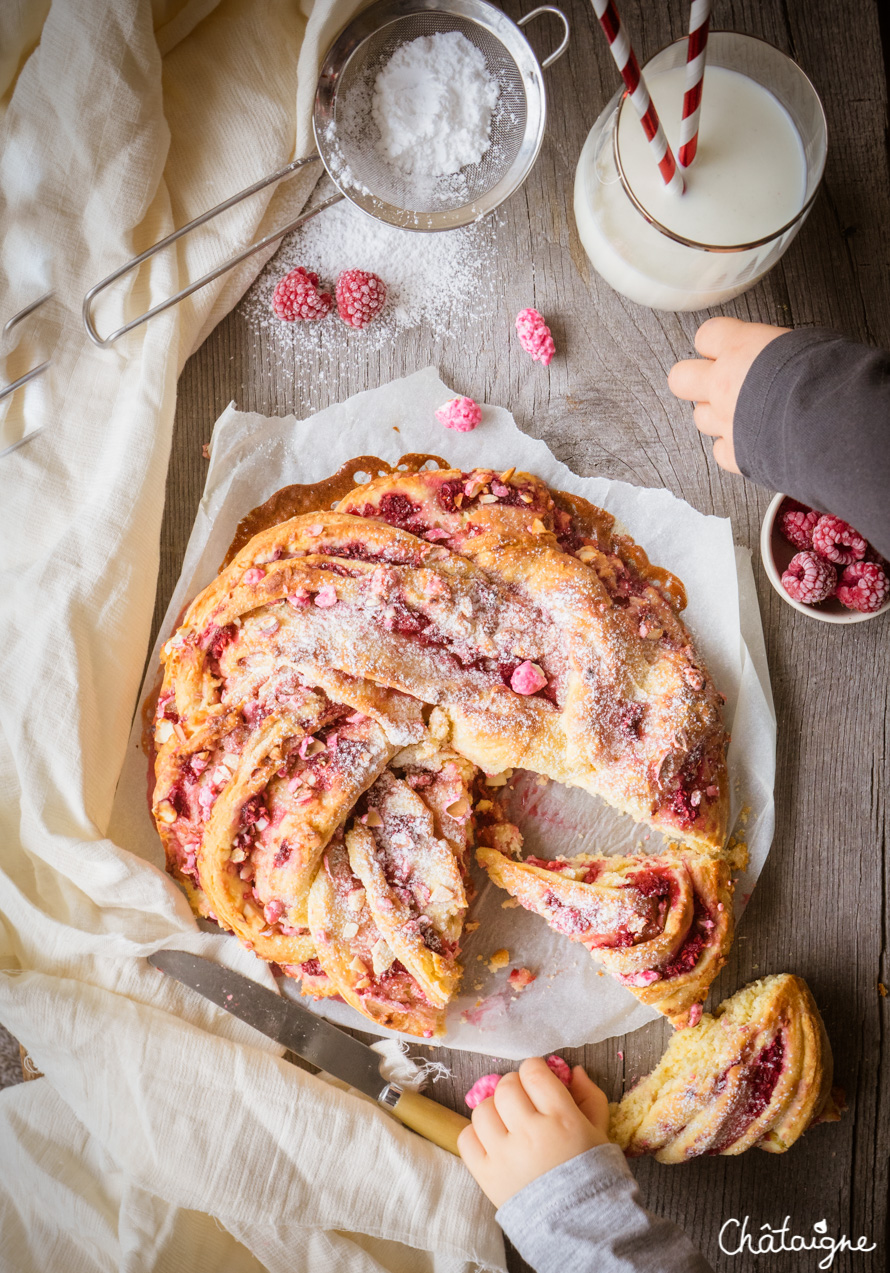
354	665
757	1072
662	926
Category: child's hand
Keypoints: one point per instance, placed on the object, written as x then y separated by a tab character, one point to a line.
531	1124
728	347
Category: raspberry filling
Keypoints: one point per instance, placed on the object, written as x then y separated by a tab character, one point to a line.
396	510
689	953
756	1089
547	864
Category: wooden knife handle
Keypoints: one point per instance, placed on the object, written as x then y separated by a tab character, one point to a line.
433	1121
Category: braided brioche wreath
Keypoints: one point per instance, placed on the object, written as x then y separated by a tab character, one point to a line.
340	706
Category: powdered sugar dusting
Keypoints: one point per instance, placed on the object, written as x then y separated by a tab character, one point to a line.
433	103
431	279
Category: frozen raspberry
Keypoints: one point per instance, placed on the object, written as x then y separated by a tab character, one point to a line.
534	336
482	1089
809	579
560	1068
796	523
296	296
837	541
360	297
462	414
863	586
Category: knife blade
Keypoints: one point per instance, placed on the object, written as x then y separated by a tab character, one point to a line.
313	1039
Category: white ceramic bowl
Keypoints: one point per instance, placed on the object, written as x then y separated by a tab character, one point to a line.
777	553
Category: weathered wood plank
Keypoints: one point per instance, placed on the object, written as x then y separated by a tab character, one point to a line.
604	407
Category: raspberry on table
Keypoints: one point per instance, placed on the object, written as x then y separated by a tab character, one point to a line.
837	541
360	297
296	296
462	414
809	578
796	522
863	586
534	336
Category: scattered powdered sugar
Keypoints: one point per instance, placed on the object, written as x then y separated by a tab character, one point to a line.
431	279
433	103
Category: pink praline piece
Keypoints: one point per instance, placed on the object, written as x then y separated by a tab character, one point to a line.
482	1089
535	336
462	414
527	679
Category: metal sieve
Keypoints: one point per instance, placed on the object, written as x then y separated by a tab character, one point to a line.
345	133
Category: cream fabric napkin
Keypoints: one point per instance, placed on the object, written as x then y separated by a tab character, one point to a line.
165	1134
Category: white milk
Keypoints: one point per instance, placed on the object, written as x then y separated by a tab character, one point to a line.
748	180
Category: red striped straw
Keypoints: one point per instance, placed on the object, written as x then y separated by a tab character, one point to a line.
627	64
695	74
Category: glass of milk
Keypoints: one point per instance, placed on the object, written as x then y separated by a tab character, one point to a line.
761	155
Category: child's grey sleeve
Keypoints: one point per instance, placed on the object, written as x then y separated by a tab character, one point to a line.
813	420
585	1216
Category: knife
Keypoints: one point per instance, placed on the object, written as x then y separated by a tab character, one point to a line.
312	1038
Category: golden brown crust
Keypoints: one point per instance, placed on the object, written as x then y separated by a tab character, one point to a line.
312	663
662	925
757	1072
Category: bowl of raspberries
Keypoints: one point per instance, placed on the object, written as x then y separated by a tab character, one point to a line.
821	565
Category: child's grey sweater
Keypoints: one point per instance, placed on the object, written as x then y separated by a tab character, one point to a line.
585	1216
813	420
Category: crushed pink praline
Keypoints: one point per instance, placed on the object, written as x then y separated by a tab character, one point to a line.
527	679
484	1086
482	1089
535	336
326	596
560	1068
462	414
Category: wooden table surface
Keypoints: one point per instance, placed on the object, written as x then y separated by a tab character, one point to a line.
604	407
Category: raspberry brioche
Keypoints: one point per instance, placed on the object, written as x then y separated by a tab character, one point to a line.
757	1072
326	699
662	926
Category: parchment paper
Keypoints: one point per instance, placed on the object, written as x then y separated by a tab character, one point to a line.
570	1003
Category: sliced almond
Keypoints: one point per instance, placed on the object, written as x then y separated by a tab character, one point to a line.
315	747
358	966
526	498
373	819
586	554
349	931
163	731
459	809
488	499
538	527
166	812
239	854
356	899
363	984
441	894
381	956
508	473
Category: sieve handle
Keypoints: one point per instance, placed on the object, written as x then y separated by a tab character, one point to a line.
564	44
287	171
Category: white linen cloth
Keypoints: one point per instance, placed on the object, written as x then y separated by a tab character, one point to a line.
165	1134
